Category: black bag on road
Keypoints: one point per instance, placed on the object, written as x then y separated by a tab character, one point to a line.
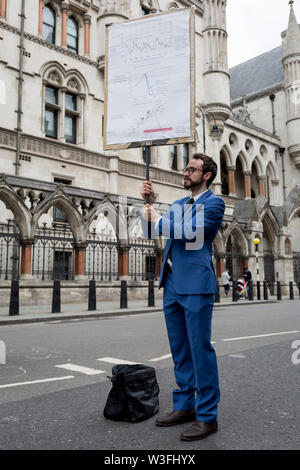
134	393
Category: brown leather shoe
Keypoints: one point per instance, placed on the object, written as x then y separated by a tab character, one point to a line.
199	430
176	417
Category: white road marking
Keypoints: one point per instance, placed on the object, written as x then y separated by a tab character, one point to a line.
114	360
83	370
37	381
161	358
261	336
166	356
239	356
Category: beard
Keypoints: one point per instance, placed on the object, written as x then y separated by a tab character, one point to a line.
189	184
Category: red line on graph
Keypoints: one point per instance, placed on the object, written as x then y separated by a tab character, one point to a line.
159	130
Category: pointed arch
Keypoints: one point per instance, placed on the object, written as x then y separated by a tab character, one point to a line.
53	72
273	170
258	165
235	230
270	227
21	212
218	244
62	201
243	159
227	154
116	216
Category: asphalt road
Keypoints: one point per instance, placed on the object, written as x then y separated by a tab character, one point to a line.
54	385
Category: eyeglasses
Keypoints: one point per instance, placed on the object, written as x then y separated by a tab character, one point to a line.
190	170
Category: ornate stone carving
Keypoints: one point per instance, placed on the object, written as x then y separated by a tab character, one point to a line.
73	83
54	77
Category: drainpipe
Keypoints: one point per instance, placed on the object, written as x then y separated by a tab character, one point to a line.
272	98
20	90
282	152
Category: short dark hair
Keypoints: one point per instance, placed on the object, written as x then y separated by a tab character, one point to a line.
209	165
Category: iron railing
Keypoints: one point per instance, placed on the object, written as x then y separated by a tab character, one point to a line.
9	251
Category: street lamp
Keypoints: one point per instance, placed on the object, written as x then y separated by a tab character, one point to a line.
256	242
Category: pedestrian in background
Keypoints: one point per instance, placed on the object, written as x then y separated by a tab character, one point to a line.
225	281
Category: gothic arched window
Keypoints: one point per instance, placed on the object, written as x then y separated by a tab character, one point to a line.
72	34
49	21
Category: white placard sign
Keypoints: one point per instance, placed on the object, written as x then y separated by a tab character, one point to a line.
149	80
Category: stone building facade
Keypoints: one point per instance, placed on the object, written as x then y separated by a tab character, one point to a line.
63	211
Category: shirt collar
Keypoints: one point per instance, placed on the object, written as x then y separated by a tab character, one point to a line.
198	195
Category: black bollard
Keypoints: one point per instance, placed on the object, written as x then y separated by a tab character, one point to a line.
291	290
258	290
278	290
56	297
92	295
250	290
235	296
266	297
151	300
123	300
14	298
217	295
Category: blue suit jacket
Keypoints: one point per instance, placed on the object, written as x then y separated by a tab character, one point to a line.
193	271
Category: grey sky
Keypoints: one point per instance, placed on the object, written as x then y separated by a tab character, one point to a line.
255	26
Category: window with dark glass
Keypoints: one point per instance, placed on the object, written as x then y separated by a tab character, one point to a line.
51	110
185	155
146	153
58	216
49	20
70	118
174	165
72	34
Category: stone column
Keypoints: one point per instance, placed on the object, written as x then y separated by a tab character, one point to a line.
247	182
216	156
40	29
262	185
87	26
123	262
61	113
81	119
3	9
26	265
64	11
231	180
79	260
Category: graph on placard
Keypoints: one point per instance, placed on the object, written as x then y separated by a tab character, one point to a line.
149	93
147	42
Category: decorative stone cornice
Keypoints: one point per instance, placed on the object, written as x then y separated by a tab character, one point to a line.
54	47
47	148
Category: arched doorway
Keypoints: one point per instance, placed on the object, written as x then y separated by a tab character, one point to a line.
235	255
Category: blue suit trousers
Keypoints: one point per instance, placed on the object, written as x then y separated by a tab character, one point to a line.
188	320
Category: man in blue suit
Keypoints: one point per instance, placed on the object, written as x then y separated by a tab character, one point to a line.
189	282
